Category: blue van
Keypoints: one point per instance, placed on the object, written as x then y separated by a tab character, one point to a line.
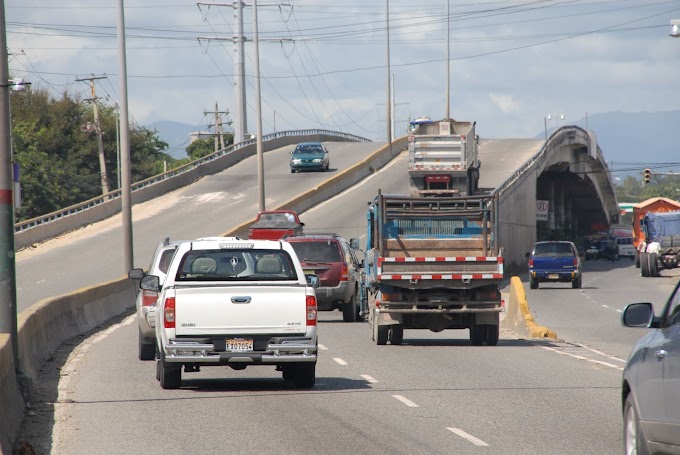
554	261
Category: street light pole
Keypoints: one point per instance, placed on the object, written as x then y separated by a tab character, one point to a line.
258	115
448	59
389	85
126	188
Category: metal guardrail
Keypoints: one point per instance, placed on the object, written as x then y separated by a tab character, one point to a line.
73	209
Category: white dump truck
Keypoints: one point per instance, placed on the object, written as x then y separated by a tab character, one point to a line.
443	158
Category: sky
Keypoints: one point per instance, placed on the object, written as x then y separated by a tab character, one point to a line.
516	66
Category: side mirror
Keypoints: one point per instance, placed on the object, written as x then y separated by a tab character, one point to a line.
354	244
150	283
136	274
527	255
638	315
312	280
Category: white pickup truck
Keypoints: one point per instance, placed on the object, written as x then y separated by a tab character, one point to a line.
236	303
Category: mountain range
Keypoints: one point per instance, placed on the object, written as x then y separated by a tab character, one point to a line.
630	141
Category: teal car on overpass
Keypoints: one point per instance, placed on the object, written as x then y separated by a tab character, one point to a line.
311	156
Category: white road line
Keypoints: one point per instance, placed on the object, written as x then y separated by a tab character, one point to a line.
580	357
469	437
406	401
323	348
369	379
619	311
339	360
600	353
605	306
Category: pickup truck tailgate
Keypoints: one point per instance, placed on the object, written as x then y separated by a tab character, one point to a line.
553	263
210	310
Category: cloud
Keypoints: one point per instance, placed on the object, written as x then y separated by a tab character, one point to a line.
505	103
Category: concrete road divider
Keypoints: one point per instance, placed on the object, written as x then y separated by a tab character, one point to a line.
518	317
42	328
326	190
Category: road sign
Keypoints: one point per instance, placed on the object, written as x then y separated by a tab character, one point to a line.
542	210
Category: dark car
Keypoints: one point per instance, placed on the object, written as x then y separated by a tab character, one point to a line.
554	261
650	393
330	257
309	156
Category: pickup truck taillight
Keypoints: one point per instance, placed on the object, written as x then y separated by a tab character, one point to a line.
575	262
311	310
149	297
531	262
344	273
169	313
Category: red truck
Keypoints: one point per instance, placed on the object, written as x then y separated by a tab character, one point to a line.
274	224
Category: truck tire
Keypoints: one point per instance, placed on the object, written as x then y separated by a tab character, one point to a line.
644	264
477	334
533	283
171	375
491	334
576	283
303	375
383	334
350	310
653	264
146	351
396	334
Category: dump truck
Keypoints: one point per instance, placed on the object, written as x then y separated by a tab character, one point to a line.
661	245
443	159
432	263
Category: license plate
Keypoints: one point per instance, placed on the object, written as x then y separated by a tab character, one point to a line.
239	344
554	276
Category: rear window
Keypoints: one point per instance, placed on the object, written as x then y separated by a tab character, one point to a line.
624	240
553	249
317	251
236	265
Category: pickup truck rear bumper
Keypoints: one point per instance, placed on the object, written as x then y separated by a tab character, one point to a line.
279	350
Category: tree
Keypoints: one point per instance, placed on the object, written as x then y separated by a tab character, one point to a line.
203	147
59	163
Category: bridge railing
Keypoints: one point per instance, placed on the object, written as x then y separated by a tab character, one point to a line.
173	173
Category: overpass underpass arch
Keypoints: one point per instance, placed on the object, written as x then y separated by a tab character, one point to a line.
570	173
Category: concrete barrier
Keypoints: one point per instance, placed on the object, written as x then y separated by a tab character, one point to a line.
42	328
344	180
518	316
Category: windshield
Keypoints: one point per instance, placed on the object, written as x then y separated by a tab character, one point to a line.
236	265
553	249
300	149
317	251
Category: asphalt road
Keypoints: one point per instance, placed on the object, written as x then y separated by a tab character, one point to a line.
435	394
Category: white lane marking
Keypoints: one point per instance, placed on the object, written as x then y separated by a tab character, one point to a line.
339	360
469	437
580	357
605	306
619	311
406	401
600	352
323	348
369	378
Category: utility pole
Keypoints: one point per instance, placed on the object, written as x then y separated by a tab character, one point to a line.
8	292
258	116
448	59
98	130
241	120
219	131
389	86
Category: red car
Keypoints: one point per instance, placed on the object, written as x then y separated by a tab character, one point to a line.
275	224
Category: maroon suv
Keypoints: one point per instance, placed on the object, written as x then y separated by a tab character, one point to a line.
330	257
